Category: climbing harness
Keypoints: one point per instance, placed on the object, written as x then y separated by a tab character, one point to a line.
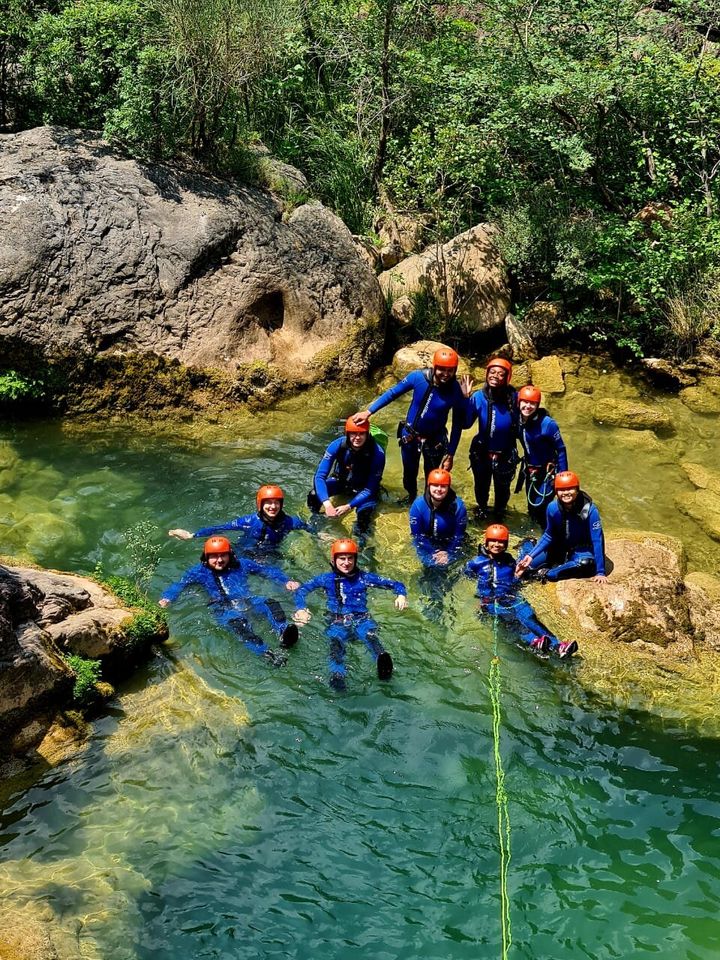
501	797
539	493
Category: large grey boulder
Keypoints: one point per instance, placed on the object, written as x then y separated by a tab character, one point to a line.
104	255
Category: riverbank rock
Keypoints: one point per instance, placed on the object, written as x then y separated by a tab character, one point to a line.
547	375
416	356
464	278
665	375
631	416
106	257
522	345
704	398
42	616
704	601
543	323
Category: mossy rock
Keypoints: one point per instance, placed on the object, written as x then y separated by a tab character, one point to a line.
631	416
44	481
701	399
702	478
547	375
8	456
702	506
40	535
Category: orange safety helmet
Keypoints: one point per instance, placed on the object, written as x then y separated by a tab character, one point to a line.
343	546
530	394
501	362
440	477
352	427
268	492
567	480
217	545
497	531
445	357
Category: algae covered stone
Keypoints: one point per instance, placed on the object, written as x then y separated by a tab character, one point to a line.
701	399
547	374
702	478
631	416
702	506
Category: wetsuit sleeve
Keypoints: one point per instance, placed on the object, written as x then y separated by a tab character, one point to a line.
559	444
189	578
374	580
297	523
239	523
401	387
324	468
472	567
269	572
301	594
372	486
597	539
422	543
461	519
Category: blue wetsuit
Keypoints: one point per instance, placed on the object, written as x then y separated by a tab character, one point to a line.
437	528
497	589
230	598
258	534
424	429
544	456
493	453
346	470
573	544
347	612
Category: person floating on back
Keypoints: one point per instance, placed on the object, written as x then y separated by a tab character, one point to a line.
224	577
347	611
436	392
493	450
438	520
573	544
260	532
353	464
497	588
544	452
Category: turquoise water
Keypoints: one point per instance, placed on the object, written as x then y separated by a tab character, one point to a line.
223	809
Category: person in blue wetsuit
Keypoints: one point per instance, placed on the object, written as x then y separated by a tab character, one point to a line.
224	578
435	393
497	588
438	520
260	532
353	464
493	450
544	452
347	612
573	544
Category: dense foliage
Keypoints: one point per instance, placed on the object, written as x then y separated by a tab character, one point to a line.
590	131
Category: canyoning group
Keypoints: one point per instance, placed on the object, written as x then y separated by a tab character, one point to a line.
351	468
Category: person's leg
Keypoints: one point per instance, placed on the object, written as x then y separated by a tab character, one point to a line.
333	486
364	518
580	563
410	456
539	492
337	634
529	627
482	474
275	615
503	471
433	452
237	623
367	632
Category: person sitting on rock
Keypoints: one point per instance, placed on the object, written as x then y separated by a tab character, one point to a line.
544	452
573	544
497	588
261	531
353	464
435	393
224	577
347	611
438	520
493	450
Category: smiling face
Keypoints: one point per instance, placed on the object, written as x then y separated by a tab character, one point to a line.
444	374
567	497
528	408
271	508
496	377
218	561
438	491
345	562
357	440
495	547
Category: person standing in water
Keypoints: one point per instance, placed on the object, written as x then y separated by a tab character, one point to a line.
347	611
497	587
436	392
261	531
438	520
544	453
224	577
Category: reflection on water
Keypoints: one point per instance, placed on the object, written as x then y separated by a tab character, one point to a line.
224	809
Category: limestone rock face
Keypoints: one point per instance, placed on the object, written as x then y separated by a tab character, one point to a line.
417	356
103	255
547	375
631	416
464	277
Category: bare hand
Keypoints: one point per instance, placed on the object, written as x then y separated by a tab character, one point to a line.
441	557
362	417
292	585
180	534
401	602
302	616
466	384
522	566
447	462
599	578
163	603
330	510
341	511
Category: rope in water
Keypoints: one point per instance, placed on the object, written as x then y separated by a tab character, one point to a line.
501	797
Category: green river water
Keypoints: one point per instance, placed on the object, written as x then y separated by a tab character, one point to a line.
223	809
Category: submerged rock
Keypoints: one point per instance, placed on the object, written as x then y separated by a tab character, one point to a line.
631	416
702	506
705	398
702	478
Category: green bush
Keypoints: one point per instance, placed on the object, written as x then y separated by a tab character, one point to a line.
87	674
16	386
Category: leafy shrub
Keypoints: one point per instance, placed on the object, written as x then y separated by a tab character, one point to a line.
87	674
16	386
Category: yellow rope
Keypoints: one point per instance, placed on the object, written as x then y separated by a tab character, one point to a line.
501	797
